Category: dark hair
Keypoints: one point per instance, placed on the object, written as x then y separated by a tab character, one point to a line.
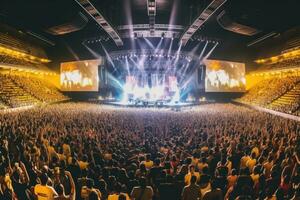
204	179
234	172
59	189
90	183
142	167
2	170
93	195
84	173
44	179
157	161
279	194
122	196
143	182
191	166
169	179
148	156
214	184
193	179
118	187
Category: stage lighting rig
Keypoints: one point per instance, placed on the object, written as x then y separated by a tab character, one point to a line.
201	38
95	40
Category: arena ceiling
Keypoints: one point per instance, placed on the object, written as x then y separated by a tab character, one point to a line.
66	23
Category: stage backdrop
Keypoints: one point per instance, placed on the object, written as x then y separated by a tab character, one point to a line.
80	75
224	76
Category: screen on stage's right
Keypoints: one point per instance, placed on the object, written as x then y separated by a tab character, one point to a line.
224	76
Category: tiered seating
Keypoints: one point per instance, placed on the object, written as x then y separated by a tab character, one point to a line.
20	45
289	102
13	95
2	105
6	39
38	88
268	90
289	63
17	52
23	90
6	59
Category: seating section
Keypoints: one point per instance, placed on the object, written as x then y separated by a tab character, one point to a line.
20	44
268	90
289	63
18	90
278	93
2	105
13	95
289	102
6	59
15	50
6	39
38	88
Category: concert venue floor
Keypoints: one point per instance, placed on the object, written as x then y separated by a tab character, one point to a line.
152	104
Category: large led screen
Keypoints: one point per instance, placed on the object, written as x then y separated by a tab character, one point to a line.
79	75
224	76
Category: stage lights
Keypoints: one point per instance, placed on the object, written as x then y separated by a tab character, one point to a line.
95	40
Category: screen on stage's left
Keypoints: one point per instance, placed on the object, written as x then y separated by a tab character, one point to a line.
79	75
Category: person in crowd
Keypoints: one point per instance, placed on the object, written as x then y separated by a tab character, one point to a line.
168	189
43	191
191	191
192	172
61	190
142	192
215	192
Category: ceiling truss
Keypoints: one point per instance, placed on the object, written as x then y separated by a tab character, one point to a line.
151	7
96	15
201	19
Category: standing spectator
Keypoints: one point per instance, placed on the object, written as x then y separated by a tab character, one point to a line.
214	194
44	191
142	192
191	191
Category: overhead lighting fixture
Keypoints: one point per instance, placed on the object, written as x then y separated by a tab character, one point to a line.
201	19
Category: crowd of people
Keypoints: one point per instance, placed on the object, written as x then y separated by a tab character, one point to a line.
289	102
86	151
24	90
268	90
